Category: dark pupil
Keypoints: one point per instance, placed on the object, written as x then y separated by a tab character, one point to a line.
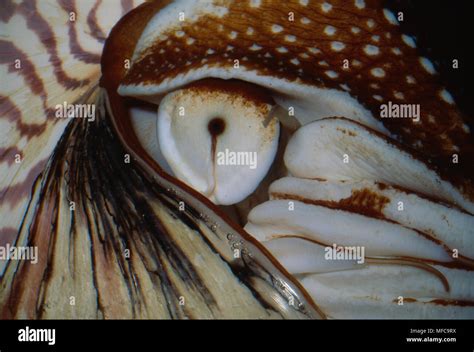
216	126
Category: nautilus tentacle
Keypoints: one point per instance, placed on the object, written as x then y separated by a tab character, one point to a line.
447	224
273	219
392	291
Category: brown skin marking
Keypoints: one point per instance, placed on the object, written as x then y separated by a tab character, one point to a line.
75	48
361	201
43	30
94	27
371	202
248	91
8	154
443	302
10	53
350	133
11	112
7	9
438	138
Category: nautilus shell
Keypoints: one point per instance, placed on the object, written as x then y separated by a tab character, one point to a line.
228	159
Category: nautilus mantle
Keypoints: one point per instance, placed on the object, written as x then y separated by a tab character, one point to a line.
242	159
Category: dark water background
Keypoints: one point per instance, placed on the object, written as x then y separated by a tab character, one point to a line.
444	31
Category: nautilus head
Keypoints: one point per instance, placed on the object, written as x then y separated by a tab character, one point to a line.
247	159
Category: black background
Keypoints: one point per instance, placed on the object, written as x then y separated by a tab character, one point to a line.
444	31
243	335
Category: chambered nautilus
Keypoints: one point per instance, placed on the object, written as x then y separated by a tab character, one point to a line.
228	159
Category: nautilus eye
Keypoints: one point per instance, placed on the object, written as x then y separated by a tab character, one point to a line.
219	140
